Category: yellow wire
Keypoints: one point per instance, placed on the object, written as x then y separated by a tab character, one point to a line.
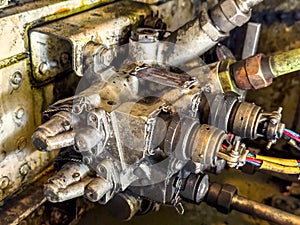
284	162
266	165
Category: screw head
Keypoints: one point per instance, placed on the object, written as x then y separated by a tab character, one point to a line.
44	68
24	169
16	78
87	160
19	113
93	118
101	169
4	182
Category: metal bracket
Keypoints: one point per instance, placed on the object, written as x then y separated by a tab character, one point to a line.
59	46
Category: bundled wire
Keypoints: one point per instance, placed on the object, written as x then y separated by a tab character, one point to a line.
253	161
291	134
292	137
287	166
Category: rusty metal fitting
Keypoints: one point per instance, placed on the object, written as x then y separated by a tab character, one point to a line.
210	29
233	13
228	84
250	74
145	35
154	22
227	15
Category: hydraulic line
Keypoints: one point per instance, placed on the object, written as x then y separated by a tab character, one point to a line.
284	63
224	197
263	211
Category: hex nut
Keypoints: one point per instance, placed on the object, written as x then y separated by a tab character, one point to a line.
220	20
225	197
210	29
233	13
254	72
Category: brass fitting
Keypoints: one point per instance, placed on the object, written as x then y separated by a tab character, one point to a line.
228	84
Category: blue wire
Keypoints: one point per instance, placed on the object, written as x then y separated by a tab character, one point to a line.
253	163
292	132
250	154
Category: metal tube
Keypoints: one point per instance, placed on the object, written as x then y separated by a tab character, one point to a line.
284	63
263	211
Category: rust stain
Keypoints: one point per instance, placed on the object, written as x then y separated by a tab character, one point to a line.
62	10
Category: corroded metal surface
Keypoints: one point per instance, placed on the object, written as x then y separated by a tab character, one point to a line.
19	162
25	203
22	17
103	26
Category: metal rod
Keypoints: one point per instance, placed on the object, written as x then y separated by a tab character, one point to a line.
263	211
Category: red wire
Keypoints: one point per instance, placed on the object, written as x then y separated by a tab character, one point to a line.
254	160
292	136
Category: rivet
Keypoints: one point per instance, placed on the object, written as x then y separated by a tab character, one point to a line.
45	67
24	169
19	113
4	182
93	118
21	143
101	169
16	78
87	160
65	59
75	175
